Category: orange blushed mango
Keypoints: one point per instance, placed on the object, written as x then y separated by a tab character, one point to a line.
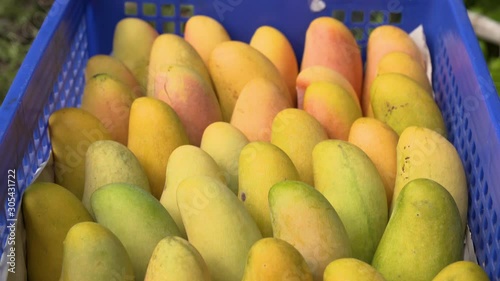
257	105
379	142
330	43
321	73
333	107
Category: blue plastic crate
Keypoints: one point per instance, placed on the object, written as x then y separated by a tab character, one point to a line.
51	77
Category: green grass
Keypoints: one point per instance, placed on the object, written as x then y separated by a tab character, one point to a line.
20	21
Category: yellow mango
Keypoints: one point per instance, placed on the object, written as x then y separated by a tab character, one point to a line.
276	47
132	42
232	65
111	162
184	162
303	217
115	68
423	153
204	34
321	73
175	259
180	52
400	102
155	130
296	132
224	143
218	225
350	269
275	259
72	131
462	271
400	62
347	178
383	40
49	212
93	252
262	165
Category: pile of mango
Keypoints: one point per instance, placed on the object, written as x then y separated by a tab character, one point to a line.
204	158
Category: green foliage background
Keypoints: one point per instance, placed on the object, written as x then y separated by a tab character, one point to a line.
20	21
490	8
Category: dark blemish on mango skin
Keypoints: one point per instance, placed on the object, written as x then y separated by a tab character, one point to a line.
243	197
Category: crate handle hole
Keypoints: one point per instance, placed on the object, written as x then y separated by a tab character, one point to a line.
395	18
357	33
149	9
377	17
169	27
357	16
168	10
187	11
339	15
130	8
183	27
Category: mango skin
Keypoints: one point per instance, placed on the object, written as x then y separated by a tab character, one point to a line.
180	52
72	130
262	165
379	142
296	132
204	34
109	100
93	252
217	225
155	130
462	271
108	162
259	102
275	259
184	162
333	107
350	269
400	102
232	65
175	259
132	42
316	230
319	73
224	143
423	153
276	47
136	218
400	62
116	69
49	212
383	40
348	179
424	234
192	98
325	33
